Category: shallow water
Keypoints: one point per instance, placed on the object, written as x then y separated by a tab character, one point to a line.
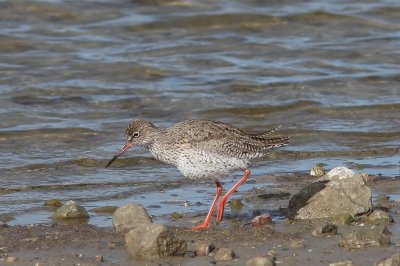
73	74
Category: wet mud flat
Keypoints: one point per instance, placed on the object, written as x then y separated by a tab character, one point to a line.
285	242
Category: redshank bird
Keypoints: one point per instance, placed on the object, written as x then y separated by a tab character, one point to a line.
202	149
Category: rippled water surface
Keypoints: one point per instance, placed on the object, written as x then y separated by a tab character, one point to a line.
74	73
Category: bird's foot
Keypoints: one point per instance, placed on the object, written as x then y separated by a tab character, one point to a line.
200	226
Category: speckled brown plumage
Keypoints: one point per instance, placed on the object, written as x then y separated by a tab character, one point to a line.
203	138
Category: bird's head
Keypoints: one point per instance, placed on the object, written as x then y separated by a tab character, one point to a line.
138	133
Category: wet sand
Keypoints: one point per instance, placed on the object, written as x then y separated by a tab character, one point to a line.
291	243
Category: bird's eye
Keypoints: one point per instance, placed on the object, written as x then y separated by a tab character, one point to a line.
135	135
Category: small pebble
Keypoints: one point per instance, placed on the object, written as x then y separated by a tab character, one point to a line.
99	258
329	229
342	263
317	170
262	219
224	254
236	205
53	203
203	249
176	215
260	261
11	259
297	244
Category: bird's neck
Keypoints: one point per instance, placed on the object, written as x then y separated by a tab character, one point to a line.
153	136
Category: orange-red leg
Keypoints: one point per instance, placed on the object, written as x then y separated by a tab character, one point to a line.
208	217
221	206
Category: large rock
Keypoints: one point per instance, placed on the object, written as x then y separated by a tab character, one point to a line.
339	192
360	237
377	217
153	241
129	216
391	261
70	209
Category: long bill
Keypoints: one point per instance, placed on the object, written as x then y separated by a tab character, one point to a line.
126	147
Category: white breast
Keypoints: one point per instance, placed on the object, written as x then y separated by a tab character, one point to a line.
194	163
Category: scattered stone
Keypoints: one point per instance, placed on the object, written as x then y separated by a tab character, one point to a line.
236	205
260	261
341	192
105	209
382	198
297	244
70	209
3	225
148	240
262	219
99	258
53	203
4	250
377	217
271	253
361	237
330	229
327	229
176	215
130	216
342	263
11	259
391	261
317	170
204	249
224	254
78	255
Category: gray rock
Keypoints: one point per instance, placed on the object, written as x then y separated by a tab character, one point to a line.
260	261
360	237
340	192
70	209
129	216
203	249
150	240
342	263
391	261
377	217
339	173
224	254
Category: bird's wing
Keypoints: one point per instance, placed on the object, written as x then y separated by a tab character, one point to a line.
224	139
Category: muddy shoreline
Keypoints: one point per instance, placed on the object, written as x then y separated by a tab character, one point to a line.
290	243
